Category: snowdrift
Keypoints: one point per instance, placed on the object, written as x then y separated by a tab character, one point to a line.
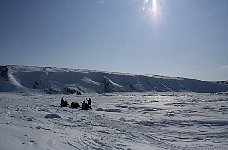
64	80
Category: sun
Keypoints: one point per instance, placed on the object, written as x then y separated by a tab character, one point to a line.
153	10
154	6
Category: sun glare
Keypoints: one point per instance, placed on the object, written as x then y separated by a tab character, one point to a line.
152	8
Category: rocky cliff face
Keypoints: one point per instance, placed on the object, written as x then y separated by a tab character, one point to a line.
4	72
223	83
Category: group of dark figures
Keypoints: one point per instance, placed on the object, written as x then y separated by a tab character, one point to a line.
85	105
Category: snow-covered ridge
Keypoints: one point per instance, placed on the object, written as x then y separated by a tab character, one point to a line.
64	80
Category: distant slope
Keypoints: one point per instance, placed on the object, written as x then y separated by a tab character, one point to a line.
63	80
223	83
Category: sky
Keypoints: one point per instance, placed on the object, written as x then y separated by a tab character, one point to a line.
178	38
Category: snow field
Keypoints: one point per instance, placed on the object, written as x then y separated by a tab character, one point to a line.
118	121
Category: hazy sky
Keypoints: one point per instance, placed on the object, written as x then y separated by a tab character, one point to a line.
187	38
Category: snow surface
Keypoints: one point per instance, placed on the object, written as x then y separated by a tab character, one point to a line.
63	80
129	112
129	121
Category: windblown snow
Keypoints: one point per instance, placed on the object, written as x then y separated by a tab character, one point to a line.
129	112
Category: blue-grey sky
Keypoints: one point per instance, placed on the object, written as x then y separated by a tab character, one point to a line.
187	38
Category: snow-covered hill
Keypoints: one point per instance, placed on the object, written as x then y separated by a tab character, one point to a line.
64	80
118	121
